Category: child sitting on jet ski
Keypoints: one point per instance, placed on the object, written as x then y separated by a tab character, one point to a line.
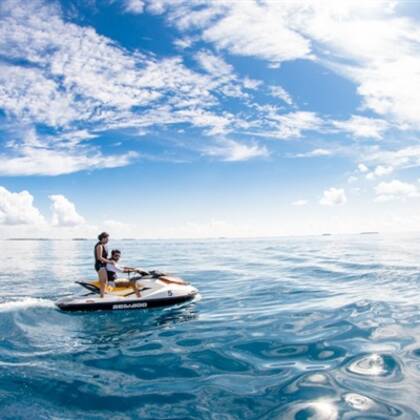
113	268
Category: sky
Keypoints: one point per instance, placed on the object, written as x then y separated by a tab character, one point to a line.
194	119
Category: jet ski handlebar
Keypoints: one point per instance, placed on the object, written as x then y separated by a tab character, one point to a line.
154	274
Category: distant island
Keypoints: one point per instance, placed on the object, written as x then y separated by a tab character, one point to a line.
369	233
326	234
31	239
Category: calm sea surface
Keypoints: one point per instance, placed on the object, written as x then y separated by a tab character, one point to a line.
290	328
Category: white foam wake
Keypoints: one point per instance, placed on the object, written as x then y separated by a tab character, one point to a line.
25	303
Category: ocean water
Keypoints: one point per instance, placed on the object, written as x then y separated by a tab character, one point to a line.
287	328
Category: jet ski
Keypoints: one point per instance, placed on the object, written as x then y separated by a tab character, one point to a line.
156	288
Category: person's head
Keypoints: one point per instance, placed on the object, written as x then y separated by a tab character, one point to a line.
115	254
103	237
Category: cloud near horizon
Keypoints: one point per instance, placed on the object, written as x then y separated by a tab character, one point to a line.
333	197
18	209
64	212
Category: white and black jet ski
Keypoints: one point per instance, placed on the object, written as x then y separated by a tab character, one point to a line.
157	289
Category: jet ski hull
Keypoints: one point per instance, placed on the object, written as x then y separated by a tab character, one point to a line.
155	292
107	305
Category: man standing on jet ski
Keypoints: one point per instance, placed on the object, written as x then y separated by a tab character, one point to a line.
113	268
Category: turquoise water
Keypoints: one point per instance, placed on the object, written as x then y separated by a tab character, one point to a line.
315	327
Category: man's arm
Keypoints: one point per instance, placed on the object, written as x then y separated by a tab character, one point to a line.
136	270
117	268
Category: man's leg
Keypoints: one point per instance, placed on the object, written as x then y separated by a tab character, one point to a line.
133	284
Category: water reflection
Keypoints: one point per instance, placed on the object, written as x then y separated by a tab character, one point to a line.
374	365
359	402
123	327
322	409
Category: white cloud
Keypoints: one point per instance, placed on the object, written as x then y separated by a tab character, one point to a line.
299	203
383	170
184	17
34	156
251	84
279	92
250	29
215	124
333	196
380	51
183	43
50	162
64	212
233	151
293	123
393	190
406	157
29	95
315	153
134	6
287	126
244	28
360	126
213	64
362	168
222	74
18	209
380	171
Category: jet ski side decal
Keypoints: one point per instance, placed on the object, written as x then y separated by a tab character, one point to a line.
130	305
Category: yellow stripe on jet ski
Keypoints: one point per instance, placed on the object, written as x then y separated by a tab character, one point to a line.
115	290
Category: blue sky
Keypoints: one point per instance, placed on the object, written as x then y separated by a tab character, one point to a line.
208	118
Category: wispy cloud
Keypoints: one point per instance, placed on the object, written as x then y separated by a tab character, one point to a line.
251	29
395	190
234	151
51	156
314	153
363	127
281	93
284	126
379	171
214	65
252	84
134	6
183	43
405	157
